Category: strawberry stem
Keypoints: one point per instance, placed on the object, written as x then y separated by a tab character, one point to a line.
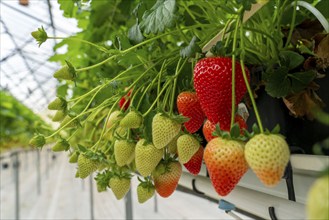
174	88
234	70
159	80
123	52
292	24
103	49
179	68
247	83
155	101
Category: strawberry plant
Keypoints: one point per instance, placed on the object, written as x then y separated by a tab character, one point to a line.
19	124
143	75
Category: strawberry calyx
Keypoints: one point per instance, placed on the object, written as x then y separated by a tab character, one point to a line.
67	72
38	141
233	134
102	180
61	145
40	35
97	156
256	130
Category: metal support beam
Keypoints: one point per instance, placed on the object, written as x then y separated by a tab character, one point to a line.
24	59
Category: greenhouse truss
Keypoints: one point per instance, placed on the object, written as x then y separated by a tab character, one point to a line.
164	109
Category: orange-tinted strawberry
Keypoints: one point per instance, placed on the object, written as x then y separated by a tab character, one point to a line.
226	164
268	156
166	177
194	164
189	106
212	83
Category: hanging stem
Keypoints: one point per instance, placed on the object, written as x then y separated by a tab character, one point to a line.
233	70
81	40
155	101
244	74
292	24
159	80
179	68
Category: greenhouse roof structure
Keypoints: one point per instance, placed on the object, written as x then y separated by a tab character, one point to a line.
25	70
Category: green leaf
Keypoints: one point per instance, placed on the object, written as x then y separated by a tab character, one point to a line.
278	84
300	80
276	129
159	17
246	3
68	8
82	148
293	59
255	129
135	34
235	131
219	49
191	49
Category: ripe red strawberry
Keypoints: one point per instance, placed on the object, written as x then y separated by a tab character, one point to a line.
166	177
209	128
125	101
189	106
212	83
194	164
268	156
225	163
242	123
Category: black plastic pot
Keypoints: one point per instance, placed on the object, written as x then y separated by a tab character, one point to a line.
300	133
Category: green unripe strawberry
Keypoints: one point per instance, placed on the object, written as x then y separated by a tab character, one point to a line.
74	157
164	130
147	157
38	141
86	166
187	146
120	186
124	152
268	156
59	116
58	104
61	145
68	123
317	205
114	118
132	120
67	72
145	191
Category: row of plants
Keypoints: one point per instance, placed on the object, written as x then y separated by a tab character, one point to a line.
18	123
142	92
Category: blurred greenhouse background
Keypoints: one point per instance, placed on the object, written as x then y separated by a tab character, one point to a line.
40	184
71	71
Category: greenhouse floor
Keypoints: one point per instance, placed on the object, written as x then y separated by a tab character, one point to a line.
48	190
